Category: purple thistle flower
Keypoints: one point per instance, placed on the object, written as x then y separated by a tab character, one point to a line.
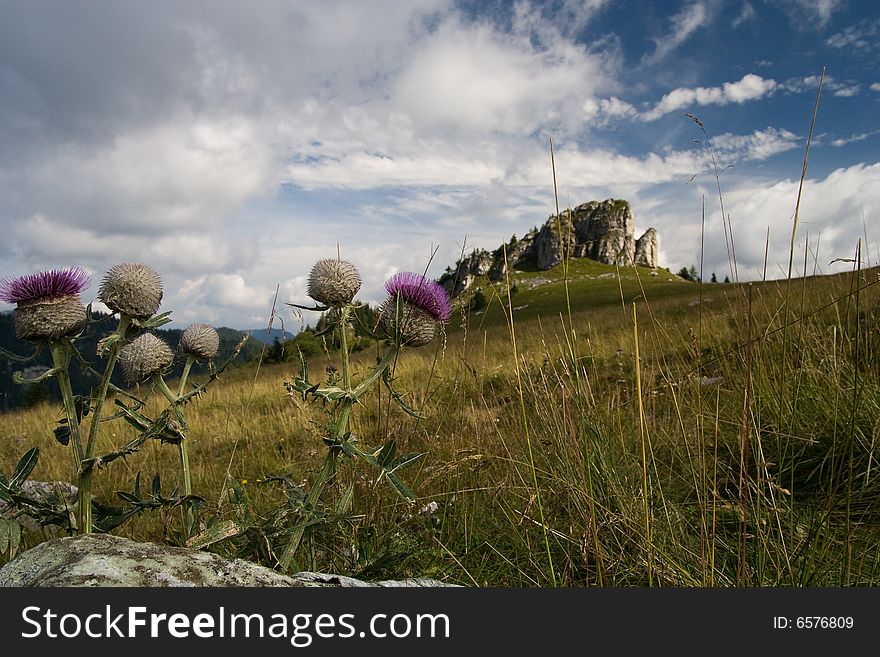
52	284
423	293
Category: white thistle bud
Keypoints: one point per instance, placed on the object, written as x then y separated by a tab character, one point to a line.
201	341
133	289
144	356
334	282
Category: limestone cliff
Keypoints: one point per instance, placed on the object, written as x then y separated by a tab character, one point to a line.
600	230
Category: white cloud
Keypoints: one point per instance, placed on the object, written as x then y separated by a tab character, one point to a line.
861	37
568	17
854	138
749	87
578	13
760	145
845	89
799	85
684	24
186	172
746	14
484	168
811	14
475	79
832	207
600	111
848	91
213	295
361	170
823	8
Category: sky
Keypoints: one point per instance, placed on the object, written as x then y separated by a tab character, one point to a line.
230	145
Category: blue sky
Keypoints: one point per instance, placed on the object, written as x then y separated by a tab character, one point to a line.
230	145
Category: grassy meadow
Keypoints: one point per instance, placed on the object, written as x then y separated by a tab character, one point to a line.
598	426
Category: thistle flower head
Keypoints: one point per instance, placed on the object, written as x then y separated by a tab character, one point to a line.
144	356
422	293
51	284
333	282
201	341
412	326
48	307
132	288
49	318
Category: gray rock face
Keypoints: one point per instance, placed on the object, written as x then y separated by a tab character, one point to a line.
517	253
107	560
549	244
476	264
602	231
646	249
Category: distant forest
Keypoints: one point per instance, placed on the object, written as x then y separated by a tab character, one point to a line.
13	395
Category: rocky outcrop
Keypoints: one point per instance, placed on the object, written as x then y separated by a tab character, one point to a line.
602	231
549	243
646	249
518	252
108	560
478	263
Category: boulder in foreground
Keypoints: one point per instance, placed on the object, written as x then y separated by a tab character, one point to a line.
108	560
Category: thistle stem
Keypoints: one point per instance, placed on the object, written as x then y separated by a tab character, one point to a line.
85	478
115	346
343	342
387	359
181	388
189	520
328	470
188	513
164	389
61	361
342	414
84	499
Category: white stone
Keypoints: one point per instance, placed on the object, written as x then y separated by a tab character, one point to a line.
108	560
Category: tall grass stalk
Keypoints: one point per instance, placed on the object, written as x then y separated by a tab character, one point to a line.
857	267
525	424
796	219
643	435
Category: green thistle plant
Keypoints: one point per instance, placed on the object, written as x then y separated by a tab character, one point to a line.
48	311
411	316
133	290
147	357
198	342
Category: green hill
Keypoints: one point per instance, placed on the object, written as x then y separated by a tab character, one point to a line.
588	285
